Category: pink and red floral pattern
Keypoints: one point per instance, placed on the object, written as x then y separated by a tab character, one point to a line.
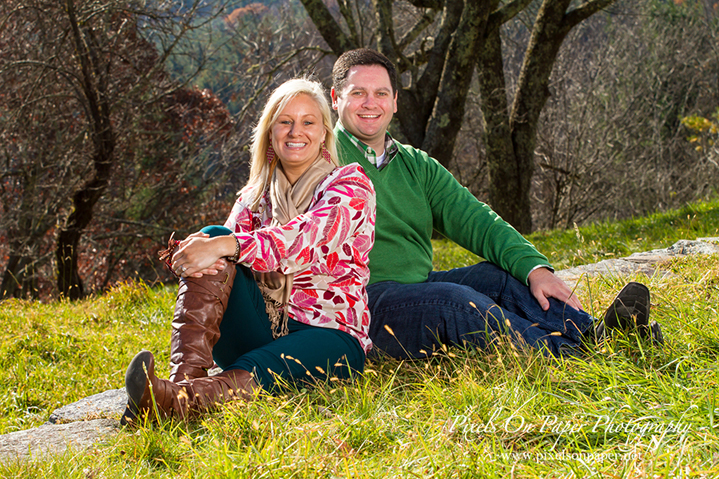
327	249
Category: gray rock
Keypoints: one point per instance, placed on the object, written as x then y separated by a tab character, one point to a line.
54	438
680	248
709	239
684	247
648	263
607	267
109	404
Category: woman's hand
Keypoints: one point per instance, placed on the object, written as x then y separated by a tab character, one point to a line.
198	254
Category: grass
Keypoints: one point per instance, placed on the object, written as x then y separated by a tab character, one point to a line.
628	410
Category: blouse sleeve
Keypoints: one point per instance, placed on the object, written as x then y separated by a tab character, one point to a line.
241	218
345	202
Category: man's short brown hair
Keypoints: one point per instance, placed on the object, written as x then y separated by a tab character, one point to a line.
361	56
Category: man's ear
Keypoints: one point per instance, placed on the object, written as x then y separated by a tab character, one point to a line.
335	98
395	102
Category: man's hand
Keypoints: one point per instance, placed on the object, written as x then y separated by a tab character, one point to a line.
544	285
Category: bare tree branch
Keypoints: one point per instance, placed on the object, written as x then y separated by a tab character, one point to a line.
411	35
433	4
584	11
269	76
346	11
386	42
456	77
328	27
506	13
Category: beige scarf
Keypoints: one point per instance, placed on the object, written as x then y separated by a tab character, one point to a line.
288	201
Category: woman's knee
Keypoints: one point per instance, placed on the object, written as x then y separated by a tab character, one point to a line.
216	230
294	358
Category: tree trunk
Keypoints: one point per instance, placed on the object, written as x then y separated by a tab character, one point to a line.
448	113
94	88
328	27
550	28
504	172
68	239
19	279
431	106
532	94
415	104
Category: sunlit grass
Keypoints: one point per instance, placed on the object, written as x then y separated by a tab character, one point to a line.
55	354
627	410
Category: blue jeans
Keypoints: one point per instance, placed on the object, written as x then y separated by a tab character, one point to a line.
469	306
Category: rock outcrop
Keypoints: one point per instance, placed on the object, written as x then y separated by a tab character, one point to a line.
55	438
648	263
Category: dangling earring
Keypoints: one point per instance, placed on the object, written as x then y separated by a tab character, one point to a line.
270	154
325	153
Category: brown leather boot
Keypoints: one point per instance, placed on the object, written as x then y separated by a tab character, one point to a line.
226	386
148	394
200	305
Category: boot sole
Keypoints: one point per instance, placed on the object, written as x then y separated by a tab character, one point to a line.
633	297
653	331
136	384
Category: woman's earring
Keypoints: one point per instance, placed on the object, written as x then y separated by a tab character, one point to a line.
325	153
270	154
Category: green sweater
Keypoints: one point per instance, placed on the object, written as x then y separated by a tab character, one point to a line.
416	194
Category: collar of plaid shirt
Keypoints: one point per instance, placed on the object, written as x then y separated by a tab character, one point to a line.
390	147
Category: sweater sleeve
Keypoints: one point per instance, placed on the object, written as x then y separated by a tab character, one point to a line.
344	202
473	225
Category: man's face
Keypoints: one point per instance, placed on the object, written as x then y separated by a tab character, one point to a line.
366	104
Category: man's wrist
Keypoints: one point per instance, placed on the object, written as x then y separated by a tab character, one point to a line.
548	267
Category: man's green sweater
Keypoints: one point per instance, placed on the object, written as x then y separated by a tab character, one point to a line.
416	194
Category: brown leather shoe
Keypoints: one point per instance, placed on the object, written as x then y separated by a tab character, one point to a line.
630	312
200	305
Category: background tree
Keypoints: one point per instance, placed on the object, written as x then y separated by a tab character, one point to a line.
83	76
177	179
610	142
437	55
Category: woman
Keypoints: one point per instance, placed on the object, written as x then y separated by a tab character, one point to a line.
295	306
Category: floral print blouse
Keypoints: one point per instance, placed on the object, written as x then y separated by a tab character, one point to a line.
326	248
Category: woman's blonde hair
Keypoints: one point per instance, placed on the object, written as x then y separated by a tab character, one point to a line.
260	170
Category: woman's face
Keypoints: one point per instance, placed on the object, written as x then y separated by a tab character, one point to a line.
297	135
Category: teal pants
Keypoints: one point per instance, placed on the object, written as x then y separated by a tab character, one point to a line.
307	354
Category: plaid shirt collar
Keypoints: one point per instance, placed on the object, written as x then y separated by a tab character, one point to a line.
390	147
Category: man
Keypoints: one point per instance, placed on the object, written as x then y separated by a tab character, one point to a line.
414	309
